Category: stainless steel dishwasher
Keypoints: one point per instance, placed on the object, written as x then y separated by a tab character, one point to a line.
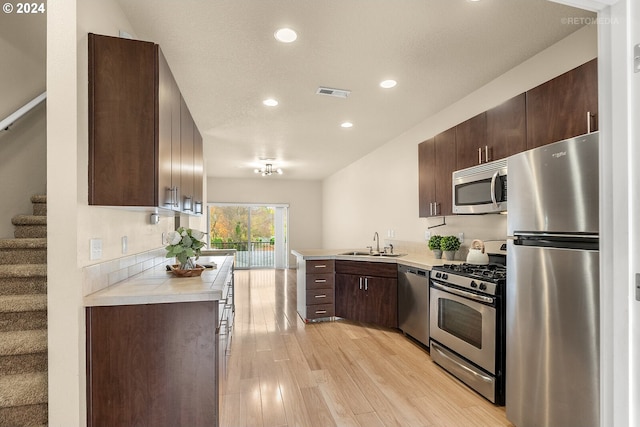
413	303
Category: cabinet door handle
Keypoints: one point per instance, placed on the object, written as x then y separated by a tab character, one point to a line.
360	282
486	153
320	266
321	311
175	203
321	296
321	280
479	155
366	283
588	121
430	208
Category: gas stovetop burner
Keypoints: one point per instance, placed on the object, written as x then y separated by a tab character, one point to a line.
492	272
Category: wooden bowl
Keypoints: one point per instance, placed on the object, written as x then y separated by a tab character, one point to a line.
195	272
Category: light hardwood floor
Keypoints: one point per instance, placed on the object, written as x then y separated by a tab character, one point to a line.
283	372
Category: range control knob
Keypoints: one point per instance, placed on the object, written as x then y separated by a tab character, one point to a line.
483	287
474	284
438	275
445	276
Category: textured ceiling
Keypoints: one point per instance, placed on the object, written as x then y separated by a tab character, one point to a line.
226	61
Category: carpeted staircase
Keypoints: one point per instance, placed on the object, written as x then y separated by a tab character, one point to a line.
23	320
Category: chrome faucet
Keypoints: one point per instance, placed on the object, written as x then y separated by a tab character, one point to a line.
376	239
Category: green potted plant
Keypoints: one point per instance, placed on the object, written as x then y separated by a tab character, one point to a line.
185	244
434	245
449	245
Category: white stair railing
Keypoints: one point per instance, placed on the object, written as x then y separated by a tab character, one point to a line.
11	119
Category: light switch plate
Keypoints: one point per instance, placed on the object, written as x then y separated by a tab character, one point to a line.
125	245
637	286
427	235
636	58
95	249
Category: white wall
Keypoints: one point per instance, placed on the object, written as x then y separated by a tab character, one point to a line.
379	192
71	222
23	149
303	197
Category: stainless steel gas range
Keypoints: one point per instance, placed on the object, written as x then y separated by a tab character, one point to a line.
467	325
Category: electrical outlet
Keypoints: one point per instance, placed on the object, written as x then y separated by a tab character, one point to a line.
461	237
95	249
427	235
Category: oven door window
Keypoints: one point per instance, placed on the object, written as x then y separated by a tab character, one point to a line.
460	320
464	326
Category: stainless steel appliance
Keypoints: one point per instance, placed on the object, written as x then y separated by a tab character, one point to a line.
467	325
480	189
413	303
552	286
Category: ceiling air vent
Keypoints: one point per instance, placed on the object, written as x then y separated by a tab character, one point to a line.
338	93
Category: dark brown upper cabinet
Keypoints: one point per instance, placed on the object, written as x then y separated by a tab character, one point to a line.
142	139
507	128
563	107
123	158
471	142
436	163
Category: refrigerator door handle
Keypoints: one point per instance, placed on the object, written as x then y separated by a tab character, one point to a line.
517	235
493	189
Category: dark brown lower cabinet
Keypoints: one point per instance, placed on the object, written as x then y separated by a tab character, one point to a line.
367	292
153	365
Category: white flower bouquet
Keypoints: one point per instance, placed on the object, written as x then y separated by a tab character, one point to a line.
185	245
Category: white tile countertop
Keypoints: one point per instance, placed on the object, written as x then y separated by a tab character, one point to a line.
424	261
156	285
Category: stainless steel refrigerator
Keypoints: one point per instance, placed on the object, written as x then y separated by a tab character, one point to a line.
552	370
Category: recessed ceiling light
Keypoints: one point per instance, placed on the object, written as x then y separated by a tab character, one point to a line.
285	35
347	125
387	84
270	102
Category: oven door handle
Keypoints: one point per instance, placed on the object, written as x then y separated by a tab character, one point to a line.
493	189
465	294
470	371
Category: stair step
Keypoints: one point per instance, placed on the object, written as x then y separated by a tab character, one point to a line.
23	270
23	389
22	279
23	312
23	285
15	244
23	303
23	363
39	198
30	231
23	342
28	415
29	220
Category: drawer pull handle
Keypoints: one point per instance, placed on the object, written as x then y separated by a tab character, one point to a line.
321	311
320	266
321	296
321	280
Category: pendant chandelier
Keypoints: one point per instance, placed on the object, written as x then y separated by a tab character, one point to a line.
268	170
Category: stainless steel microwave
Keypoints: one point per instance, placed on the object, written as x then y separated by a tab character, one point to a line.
481	189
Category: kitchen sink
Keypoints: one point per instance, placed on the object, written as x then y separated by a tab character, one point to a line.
364	253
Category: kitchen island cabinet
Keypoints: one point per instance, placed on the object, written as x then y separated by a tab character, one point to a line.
436	163
367	292
315	289
144	146
157	346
